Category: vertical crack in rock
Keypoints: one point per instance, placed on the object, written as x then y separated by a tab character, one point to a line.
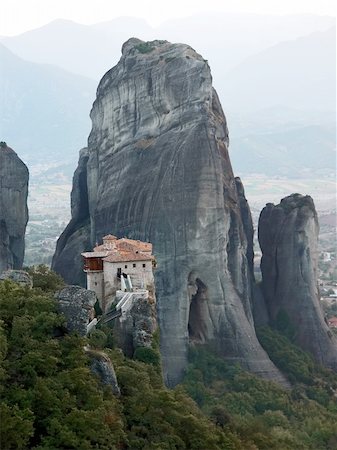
158	170
276	273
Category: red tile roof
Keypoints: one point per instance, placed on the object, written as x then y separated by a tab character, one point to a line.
332	321
120	250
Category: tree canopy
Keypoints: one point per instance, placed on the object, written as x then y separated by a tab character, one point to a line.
51	400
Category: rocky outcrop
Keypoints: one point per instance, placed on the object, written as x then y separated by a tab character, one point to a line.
102	367
288	235
136	326
13	208
17	276
77	305
158	170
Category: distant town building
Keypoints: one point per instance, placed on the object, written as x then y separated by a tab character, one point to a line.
118	265
326	256
332	322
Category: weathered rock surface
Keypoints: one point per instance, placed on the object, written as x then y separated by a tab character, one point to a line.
136	327
14	178
18	276
101	365
77	305
288	235
158	170
248	226
76	236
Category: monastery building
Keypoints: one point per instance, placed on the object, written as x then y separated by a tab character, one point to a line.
118	265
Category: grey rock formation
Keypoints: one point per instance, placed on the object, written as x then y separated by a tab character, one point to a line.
158	170
136	327
260	312
76	236
14	178
260	315
101	365
77	305
18	276
288	235
248	226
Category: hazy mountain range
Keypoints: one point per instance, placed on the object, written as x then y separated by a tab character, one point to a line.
275	76
44	109
300	73
225	40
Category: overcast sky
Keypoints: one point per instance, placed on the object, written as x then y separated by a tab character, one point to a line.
17	16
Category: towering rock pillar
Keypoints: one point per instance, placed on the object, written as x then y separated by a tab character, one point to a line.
288	235
13	208
158	170
76	237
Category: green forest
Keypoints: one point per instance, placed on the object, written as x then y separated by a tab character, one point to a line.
51	400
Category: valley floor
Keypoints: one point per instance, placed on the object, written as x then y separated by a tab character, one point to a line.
49	208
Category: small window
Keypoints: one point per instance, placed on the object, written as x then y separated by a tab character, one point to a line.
144	265
95	283
134	265
126	266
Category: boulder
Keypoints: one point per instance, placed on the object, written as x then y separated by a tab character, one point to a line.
77	305
18	276
101	365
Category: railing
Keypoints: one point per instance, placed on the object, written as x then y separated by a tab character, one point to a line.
111	315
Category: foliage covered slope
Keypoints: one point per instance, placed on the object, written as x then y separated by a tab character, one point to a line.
263	415
50	399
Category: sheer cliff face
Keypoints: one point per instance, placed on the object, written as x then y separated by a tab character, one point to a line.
288	235
13	209
76	236
158	170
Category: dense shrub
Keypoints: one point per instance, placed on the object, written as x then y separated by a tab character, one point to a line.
147	355
44	278
98	339
293	361
261	413
50	400
145	47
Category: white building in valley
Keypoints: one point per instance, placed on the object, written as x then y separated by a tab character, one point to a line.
118	265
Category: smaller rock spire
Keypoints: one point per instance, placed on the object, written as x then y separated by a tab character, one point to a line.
288	236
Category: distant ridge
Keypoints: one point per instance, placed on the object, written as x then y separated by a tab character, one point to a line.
74	46
300	73
44	109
